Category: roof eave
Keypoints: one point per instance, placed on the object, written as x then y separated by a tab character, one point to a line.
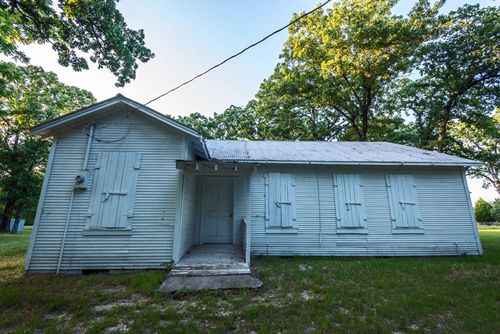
353	163
44	129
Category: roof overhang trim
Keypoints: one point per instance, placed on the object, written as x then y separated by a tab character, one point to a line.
76	115
45	129
339	163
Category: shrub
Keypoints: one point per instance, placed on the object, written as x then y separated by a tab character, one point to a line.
482	211
495	210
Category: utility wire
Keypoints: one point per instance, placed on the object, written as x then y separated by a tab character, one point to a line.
239	53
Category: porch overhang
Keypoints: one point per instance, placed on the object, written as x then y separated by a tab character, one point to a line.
215	167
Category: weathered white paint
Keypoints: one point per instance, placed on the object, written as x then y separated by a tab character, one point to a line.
150	243
317	203
403	203
471	213
187	235
41	202
446	219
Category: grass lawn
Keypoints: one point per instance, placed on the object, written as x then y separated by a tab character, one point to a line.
383	295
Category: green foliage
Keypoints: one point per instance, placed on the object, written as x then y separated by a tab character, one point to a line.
233	123
358	72
495	210
31	96
345	58
479	139
459	74
482	211
91	26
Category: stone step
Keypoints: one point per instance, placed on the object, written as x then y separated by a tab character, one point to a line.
180	282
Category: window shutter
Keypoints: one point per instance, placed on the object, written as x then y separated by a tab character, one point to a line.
349	201
286	203
113	194
274	199
403	201
280	201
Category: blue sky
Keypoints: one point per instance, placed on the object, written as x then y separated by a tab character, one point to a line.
188	36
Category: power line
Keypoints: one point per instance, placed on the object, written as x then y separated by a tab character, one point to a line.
237	54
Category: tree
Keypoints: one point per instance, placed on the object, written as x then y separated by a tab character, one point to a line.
90	26
482	211
31	96
479	140
495	210
346	57
234	123
203	124
459	71
292	106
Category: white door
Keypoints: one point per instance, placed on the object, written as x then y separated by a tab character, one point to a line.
217	212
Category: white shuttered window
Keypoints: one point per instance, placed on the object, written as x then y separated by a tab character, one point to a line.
405	215
349	203
113	193
280	201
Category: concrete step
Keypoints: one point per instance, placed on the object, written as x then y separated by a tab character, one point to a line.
211	282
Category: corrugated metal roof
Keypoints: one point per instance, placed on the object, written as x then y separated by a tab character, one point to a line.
376	153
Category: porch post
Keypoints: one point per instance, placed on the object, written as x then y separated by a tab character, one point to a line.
178	219
248	227
248	236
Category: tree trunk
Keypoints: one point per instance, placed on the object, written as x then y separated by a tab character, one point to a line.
16	220
442	136
365	112
443	126
7	213
496	182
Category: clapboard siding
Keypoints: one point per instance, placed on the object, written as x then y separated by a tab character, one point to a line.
443	203
188	213
150	243
240	207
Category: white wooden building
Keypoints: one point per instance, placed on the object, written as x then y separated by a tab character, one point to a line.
129	188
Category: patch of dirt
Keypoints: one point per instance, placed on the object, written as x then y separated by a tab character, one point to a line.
120	327
223	313
164	323
107	307
304	267
414	327
133	301
343	310
59	317
115	289
96	320
306	295
79	329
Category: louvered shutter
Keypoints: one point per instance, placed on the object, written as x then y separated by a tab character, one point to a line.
113	195
349	201
280	200
403	201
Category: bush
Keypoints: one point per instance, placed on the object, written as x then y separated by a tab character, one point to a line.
482	211
495	210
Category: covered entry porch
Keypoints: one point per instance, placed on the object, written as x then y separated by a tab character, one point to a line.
212	232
